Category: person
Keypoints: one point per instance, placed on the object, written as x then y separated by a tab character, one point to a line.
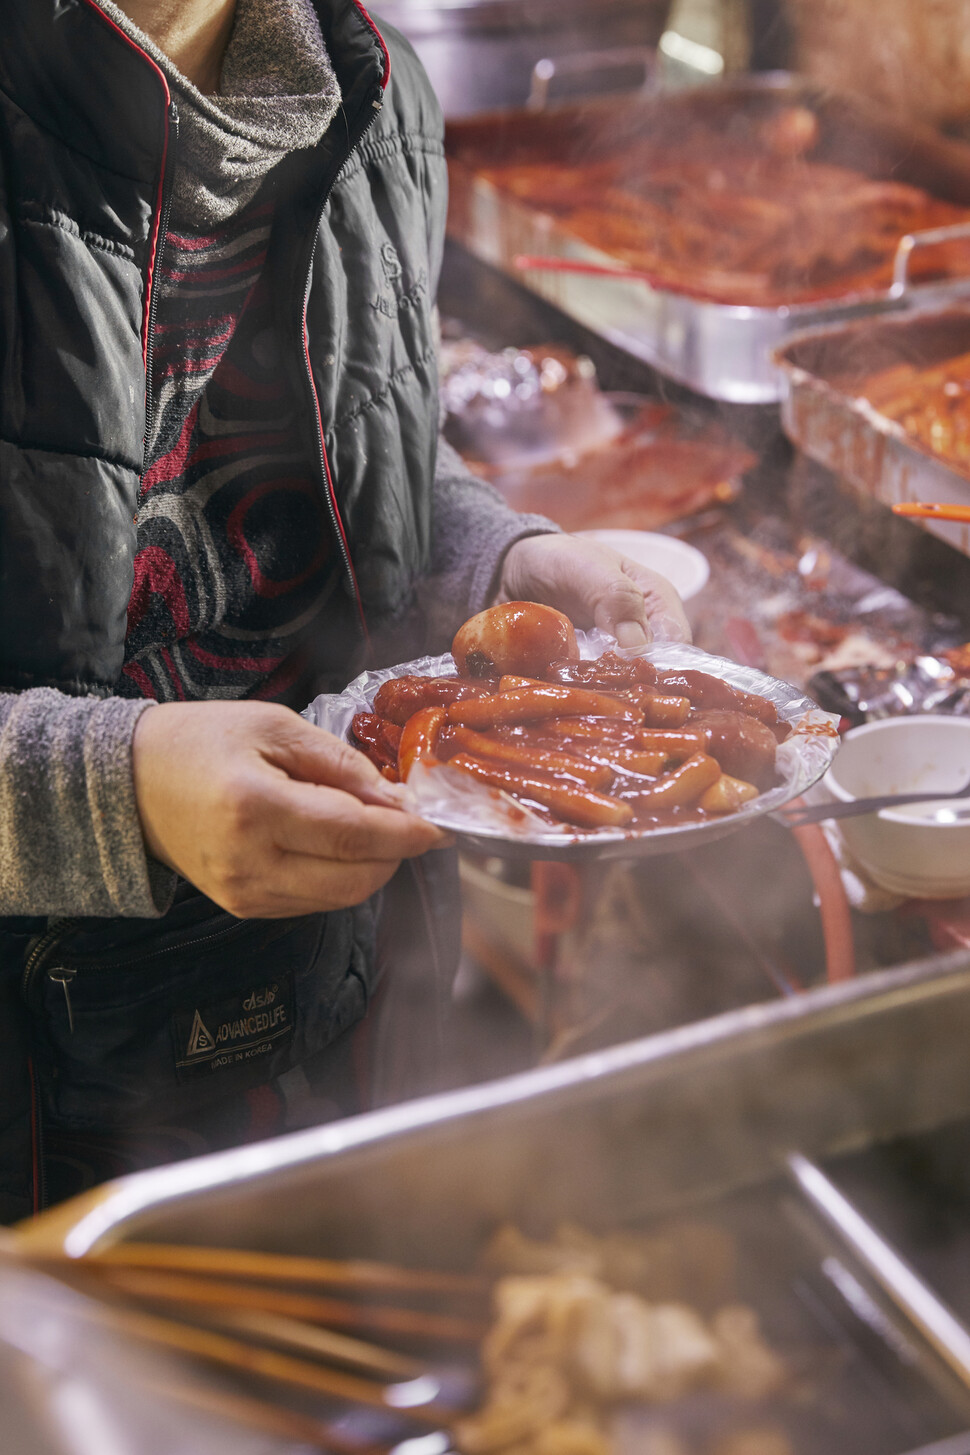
221	489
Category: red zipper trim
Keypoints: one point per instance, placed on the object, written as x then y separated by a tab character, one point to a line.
34	1142
380	41
333	493
157	215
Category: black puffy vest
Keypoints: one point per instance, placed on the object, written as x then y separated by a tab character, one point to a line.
87	150
87	147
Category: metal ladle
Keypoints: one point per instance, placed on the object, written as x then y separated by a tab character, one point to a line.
800	814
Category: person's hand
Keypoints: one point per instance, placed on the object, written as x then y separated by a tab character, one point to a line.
594	586
266	814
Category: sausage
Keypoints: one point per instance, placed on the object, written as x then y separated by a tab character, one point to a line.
726	795
389	736
419	739
744	747
675	742
706	691
571	803
660	709
509	682
541	734
530	756
402	697
627	760
621	752
446	742
365	729
608	671
595	729
680	787
517	636
529	704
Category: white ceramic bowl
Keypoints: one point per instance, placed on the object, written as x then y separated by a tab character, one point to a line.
921	850
684	566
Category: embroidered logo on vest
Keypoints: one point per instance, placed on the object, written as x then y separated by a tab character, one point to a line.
236	1030
397	298
200	1040
391	262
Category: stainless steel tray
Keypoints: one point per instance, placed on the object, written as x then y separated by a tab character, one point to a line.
704	1115
624	1134
720	350
825	415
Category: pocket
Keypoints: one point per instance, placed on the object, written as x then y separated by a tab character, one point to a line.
218	1007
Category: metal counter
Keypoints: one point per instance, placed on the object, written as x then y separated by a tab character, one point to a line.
617	1136
713	1120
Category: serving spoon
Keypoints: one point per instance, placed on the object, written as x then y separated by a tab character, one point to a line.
797	815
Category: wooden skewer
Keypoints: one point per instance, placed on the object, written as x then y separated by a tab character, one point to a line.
282	1268
244	1358
310	1339
927	510
214	1292
257	1414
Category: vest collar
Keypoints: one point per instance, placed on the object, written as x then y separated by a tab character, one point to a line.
75	73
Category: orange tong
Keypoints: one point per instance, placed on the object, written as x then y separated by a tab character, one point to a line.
926	510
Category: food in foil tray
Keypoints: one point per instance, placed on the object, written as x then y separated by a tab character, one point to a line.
746	212
534	423
658	469
931	404
608	743
931	682
522	405
789	603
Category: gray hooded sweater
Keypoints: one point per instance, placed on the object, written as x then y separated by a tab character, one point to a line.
70	837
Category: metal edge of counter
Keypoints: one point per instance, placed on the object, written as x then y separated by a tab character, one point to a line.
745	1045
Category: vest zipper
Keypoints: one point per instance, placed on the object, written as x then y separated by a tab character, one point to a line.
41	949
168	171
34	960
323	463
62	975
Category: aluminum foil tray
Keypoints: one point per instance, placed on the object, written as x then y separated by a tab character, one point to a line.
826	415
722	351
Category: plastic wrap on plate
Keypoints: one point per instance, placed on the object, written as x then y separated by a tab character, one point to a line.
491	821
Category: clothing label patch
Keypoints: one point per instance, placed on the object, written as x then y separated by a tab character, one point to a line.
234	1031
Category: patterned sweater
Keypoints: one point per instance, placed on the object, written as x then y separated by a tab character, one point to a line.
235	559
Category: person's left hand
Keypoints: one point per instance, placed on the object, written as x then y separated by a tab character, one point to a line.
595	586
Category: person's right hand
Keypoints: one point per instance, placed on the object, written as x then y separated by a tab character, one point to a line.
266	814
